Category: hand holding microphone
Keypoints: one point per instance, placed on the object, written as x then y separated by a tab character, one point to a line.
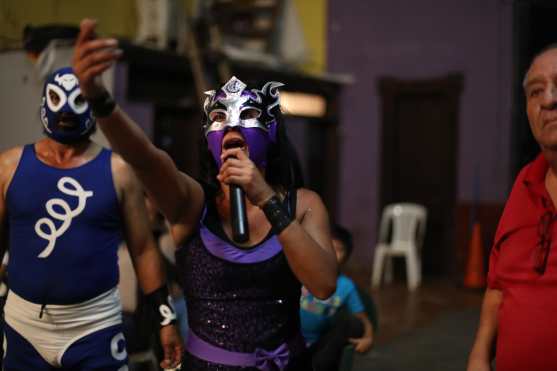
238	213
244	179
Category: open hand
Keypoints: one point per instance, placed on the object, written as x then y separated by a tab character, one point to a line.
92	56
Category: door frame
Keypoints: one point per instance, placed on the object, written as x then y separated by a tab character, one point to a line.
390	90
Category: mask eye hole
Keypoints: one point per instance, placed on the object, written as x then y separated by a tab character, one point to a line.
218	116
250	113
54	97
79	101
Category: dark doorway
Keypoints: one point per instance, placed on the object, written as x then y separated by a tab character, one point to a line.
178	132
315	144
419	158
534	22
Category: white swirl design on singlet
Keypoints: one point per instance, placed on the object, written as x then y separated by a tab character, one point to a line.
65	217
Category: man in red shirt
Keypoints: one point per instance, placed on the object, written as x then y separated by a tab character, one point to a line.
518	321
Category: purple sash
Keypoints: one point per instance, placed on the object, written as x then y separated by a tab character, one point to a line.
261	358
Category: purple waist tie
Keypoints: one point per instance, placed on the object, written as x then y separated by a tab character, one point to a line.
261	358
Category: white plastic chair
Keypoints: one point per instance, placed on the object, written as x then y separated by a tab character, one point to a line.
408	229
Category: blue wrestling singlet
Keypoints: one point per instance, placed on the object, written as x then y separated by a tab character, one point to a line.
63	310
64	228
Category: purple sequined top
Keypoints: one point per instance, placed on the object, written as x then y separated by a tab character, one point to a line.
238	299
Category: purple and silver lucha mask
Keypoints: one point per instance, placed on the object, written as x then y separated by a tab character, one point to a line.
247	110
65	114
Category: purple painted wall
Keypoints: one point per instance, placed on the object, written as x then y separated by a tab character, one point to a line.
421	39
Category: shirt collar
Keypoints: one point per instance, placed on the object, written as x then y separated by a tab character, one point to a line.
534	180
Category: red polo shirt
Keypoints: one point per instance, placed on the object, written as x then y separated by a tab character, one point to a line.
527	330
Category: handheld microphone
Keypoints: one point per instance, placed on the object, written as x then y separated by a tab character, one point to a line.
240	228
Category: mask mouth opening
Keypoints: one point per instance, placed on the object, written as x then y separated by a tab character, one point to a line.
234	142
67	122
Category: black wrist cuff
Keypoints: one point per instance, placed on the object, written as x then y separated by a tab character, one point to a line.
103	105
161	302
275	213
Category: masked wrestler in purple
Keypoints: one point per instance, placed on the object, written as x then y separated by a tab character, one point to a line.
243	299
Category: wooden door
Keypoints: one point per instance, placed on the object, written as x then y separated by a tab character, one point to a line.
419	157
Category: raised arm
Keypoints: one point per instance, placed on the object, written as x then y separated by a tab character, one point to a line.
482	351
176	194
143	250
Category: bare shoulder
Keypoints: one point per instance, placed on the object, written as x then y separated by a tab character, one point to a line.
307	196
123	175
307	200
9	159
119	164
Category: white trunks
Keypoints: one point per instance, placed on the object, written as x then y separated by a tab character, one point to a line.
61	325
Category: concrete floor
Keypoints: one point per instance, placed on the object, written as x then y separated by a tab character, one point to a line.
429	329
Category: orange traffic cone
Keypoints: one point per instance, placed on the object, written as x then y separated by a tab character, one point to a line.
474	277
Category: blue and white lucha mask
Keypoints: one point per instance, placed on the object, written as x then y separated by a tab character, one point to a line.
65	114
251	111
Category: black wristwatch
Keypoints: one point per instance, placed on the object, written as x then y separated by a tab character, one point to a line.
103	105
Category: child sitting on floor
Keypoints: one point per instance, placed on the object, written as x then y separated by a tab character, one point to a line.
325	331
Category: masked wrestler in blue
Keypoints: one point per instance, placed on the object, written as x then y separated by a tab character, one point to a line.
66	204
243	298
